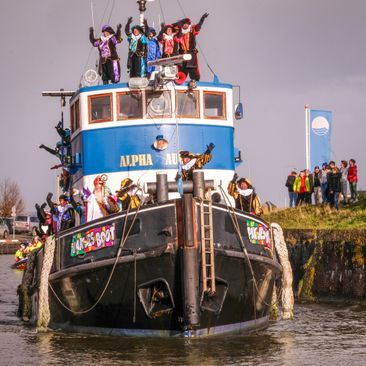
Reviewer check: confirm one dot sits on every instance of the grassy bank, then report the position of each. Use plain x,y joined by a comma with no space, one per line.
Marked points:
352,216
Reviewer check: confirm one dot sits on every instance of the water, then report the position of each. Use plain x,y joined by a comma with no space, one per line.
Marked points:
319,335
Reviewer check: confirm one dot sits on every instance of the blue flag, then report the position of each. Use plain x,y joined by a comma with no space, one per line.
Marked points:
320,128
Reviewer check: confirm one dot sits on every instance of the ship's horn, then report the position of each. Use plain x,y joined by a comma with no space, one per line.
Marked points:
181,78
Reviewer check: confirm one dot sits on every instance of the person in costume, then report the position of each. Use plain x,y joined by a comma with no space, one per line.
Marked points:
109,66
188,45
100,202
153,48
192,162
45,227
63,214
246,199
136,63
169,37
129,195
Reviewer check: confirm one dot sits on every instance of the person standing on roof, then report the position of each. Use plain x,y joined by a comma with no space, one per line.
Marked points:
352,180
169,37
136,63
109,67
153,48
192,162
188,45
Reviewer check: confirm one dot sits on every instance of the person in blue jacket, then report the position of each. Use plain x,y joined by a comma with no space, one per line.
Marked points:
153,48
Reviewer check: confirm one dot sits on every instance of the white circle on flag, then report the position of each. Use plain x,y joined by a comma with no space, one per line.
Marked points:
320,126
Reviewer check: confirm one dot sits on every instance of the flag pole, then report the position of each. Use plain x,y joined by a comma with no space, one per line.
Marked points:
307,133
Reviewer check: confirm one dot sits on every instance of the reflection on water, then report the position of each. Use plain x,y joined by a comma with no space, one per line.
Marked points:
319,335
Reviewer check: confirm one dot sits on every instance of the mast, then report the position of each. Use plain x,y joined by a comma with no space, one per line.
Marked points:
142,9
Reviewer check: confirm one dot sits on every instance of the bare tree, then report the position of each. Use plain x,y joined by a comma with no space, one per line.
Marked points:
10,196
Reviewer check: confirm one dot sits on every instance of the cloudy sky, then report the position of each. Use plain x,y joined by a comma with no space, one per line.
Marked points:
283,53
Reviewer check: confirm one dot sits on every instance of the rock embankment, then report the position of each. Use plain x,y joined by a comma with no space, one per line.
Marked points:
328,264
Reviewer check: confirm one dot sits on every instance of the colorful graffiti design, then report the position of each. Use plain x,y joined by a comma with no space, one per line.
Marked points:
92,239
258,234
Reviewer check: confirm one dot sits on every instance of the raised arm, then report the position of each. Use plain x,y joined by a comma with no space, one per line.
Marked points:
91,35
199,24
127,27
119,33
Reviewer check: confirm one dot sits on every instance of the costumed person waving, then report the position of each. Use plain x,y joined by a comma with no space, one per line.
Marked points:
246,199
169,37
109,67
192,162
137,53
188,45
129,195
153,48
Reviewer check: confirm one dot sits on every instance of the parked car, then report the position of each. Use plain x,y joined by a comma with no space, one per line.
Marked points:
4,229
26,224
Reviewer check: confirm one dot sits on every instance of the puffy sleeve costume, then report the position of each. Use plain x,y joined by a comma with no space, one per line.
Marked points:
109,66
137,52
170,43
188,45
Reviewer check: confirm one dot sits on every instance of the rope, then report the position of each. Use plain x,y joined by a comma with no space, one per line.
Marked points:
135,287
43,311
244,249
287,295
162,11
121,245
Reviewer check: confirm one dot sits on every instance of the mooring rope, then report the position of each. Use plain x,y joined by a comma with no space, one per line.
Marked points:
43,311
287,295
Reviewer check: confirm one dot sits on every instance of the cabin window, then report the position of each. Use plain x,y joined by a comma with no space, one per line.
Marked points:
77,114
100,108
214,105
72,117
187,104
129,105
158,104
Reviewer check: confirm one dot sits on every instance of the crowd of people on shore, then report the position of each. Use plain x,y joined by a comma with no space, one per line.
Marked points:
328,185
146,45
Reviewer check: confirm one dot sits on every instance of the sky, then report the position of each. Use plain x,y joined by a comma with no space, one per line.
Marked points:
283,53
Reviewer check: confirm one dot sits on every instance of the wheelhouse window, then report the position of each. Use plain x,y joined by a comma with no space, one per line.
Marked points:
75,116
214,105
100,108
158,104
187,104
129,105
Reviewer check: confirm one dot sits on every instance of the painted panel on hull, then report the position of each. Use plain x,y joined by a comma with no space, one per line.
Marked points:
131,148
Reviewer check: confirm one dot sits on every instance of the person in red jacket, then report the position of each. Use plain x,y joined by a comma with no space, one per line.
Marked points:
352,179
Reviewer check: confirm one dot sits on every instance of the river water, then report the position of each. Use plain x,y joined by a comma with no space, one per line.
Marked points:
319,335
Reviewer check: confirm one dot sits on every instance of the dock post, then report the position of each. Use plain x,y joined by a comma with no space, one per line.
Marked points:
162,187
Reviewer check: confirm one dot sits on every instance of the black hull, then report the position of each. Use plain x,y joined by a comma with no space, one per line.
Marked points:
146,293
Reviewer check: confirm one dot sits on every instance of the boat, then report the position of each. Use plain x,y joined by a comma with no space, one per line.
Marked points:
187,264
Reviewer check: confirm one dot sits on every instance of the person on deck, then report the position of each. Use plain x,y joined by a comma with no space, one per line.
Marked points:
153,48
344,171
188,45
169,37
109,66
129,195
246,199
192,162
100,202
136,63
